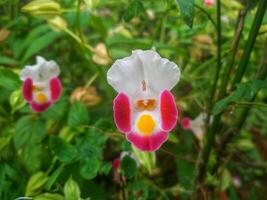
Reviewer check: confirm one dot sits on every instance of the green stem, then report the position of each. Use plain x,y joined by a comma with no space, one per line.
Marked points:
250,42
207,14
204,156
262,105
231,57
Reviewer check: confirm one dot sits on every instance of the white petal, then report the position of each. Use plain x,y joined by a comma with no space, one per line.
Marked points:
42,71
160,73
128,74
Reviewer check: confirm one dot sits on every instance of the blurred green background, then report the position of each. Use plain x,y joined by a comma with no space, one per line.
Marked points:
67,151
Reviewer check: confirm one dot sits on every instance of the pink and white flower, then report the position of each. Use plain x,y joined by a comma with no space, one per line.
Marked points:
197,126
209,2
145,110
41,88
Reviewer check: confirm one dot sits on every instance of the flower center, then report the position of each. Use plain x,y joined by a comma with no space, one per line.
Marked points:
146,124
41,97
146,104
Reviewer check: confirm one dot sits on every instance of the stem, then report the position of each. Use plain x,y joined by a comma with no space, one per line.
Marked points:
207,14
231,58
204,156
250,42
261,75
262,105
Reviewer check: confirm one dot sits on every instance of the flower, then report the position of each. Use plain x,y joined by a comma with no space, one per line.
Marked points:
209,2
145,110
196,126
41,87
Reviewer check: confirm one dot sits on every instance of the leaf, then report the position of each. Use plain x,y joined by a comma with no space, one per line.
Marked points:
8,79
128,165
31,157
16,100
90,168
64,152
33,35
8,61
39,44
72,190
105,168
35,183
78,115
52,179
134,9
244,92
49,196
187,11
29,130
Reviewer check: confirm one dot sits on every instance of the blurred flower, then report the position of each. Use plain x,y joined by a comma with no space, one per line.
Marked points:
150,13
116,166
57,23
86,95
41,87
4,33
197,126
236,181
42,8
120,29
101,56
209,2
144,109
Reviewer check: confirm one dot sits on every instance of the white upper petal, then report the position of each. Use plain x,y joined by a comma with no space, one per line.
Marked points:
42,71
127,74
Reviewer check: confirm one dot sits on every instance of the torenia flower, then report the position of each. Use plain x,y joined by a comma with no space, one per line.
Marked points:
144,109
209,2
41,87
197,126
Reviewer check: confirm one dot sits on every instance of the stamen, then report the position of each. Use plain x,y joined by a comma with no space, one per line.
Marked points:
145,104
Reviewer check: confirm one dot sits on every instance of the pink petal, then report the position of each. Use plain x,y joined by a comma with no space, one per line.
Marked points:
27,89
122,112
40,107
55,87
186,123
116,164
169,112
147,143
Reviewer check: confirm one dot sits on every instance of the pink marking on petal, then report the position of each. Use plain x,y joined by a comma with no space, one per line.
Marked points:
122,112
40,107
55,87
186,123
147,143
27,89
168,109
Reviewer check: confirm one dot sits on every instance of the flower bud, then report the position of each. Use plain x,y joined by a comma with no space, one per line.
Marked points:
42,8
57,23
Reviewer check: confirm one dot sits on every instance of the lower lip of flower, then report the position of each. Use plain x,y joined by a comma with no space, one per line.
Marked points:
146,124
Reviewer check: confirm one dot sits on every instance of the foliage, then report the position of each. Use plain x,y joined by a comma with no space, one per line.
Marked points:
67,152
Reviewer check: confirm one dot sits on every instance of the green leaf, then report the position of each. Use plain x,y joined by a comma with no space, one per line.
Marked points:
35,183
49,196
134,9
72,190
29,130
78,115
187,11
32,157
90,168
39,44
64,151
105,168
8,61
52,179
128,165
8,79
244,92
16,100
33,35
